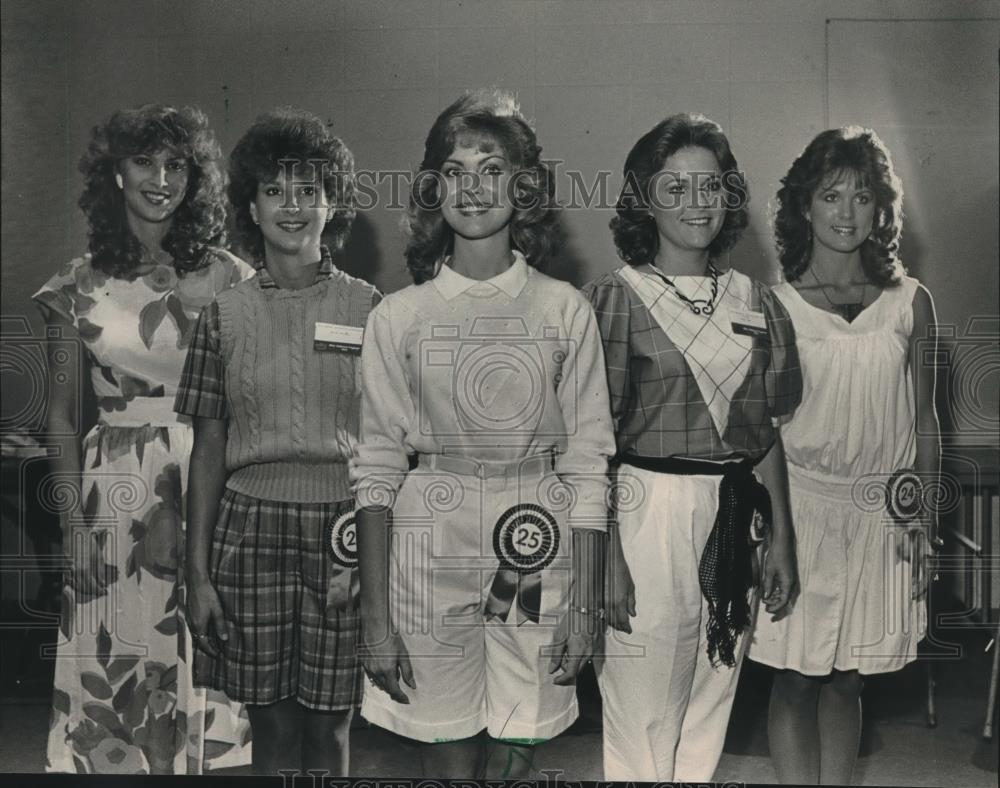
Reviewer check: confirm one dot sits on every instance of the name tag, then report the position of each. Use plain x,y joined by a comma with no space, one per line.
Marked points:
748,322
331,336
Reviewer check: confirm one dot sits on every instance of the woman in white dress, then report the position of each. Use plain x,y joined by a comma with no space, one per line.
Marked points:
860,448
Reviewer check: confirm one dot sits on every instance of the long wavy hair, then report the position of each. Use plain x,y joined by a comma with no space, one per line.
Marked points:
485,118
199,221
634,228
836,154
290,137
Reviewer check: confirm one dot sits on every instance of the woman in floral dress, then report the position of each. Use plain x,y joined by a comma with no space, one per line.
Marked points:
123,700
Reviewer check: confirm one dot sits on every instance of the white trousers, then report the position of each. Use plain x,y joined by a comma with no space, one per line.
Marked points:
666,708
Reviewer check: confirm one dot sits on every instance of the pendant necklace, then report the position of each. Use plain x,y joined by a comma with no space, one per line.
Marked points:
847,310
700,306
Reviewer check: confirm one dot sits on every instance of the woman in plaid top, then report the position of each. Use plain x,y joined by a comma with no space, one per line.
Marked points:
699,361
271,382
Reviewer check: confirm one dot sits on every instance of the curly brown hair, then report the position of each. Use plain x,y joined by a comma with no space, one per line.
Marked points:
199,222
492,117
634,229
276,139
851,151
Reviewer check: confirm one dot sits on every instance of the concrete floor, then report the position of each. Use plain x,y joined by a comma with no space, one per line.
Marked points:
898,748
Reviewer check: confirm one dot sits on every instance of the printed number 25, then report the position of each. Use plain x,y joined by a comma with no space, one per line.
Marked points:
527,537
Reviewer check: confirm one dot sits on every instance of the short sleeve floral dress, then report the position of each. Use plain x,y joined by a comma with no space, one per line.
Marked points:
123,700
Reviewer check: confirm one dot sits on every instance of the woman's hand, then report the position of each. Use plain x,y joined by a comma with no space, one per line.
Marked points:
576,640
385,659
620,590
205,615
206,485
921,556
89,574
915,547
780,574
579,633
383,655
921,541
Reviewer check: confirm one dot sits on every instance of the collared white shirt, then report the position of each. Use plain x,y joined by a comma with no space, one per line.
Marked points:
493,370
450,283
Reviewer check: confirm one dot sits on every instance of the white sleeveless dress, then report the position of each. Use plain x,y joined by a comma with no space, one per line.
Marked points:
854,428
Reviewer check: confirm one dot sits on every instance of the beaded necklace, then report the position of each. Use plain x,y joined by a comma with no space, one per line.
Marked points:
700,306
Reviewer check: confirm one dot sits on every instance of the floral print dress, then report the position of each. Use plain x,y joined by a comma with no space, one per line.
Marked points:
124,699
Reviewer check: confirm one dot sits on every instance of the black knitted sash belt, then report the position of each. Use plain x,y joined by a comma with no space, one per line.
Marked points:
726,568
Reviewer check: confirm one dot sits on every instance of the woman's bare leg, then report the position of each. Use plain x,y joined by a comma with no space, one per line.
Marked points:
793,729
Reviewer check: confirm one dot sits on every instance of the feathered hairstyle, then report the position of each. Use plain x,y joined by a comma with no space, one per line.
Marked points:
836,154
634,228
487,119
287,137
199,221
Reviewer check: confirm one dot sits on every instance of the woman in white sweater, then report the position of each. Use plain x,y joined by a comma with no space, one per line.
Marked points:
492,373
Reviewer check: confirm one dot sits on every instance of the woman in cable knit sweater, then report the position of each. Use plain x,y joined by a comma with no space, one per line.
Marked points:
270,381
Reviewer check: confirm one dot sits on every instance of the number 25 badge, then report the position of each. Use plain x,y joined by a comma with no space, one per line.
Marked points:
526,538
341,540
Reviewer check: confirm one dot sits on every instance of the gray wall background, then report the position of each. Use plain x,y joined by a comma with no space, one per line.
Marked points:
593,75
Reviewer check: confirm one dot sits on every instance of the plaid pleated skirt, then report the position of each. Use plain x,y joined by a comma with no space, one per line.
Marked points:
290,602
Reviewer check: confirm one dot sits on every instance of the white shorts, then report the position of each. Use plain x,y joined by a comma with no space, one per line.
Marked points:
475,671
